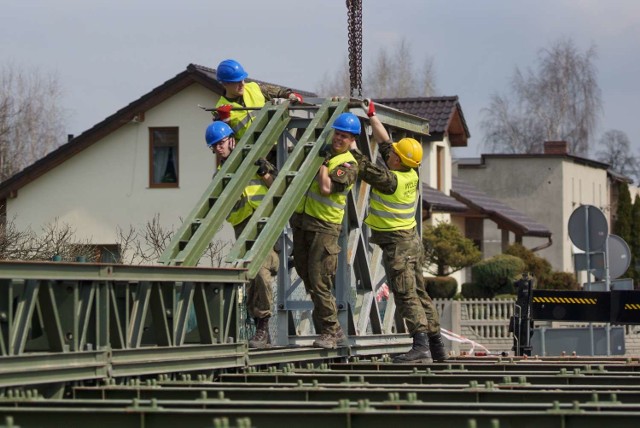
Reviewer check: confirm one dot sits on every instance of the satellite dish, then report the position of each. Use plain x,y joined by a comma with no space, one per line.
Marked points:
619,257
588,228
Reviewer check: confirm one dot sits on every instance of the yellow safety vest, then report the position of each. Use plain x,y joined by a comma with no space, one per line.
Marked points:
396,211
328,208
240,120
251,197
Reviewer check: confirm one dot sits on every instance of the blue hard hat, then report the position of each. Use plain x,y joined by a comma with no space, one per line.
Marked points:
217,131
347,122
230,70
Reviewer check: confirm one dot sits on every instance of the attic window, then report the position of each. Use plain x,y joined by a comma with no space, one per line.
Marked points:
163,157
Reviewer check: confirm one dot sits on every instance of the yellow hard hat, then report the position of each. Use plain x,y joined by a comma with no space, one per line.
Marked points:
409,151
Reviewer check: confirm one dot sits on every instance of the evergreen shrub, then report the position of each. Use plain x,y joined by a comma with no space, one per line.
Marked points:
473,291
498,273
441,287
559,281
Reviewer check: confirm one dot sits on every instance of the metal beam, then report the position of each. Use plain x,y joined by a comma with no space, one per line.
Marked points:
60,271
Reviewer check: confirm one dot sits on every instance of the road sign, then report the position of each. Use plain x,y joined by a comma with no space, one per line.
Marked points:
588,228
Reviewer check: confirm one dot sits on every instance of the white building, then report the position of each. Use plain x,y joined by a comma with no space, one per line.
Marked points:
547,187
146,160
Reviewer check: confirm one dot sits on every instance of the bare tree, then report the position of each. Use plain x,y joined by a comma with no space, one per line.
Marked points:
55,240
58,239
143,246
31,120
616,151
215,252
428,82
129,250
337,84
15,244
560,101
391,75
147,245
381,76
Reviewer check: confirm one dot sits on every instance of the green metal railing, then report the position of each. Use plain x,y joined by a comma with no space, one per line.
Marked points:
56,307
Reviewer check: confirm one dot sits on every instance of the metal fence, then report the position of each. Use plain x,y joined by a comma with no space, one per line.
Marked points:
486,321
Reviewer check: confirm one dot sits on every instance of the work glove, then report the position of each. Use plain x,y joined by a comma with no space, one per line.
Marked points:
326,154
264,167
295,97
369,107
224,112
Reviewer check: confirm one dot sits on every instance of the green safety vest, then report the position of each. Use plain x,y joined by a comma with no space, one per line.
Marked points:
251,197
328,208
396,211
240,120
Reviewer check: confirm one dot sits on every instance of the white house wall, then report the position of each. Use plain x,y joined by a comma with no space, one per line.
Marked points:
429,175
107,184
583,186
430,165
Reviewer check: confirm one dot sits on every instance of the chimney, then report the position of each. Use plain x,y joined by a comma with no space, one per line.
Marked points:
69,137
556,148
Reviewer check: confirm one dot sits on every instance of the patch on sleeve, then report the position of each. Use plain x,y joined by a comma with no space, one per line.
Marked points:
340,174
344,173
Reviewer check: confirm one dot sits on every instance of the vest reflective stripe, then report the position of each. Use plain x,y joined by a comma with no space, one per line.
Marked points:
241,119
398,206
251,197
243,124
328,208
326,201
396,211
387,214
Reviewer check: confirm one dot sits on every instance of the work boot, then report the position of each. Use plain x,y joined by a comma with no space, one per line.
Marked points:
261,339
326,341
341,338
437,347
418,352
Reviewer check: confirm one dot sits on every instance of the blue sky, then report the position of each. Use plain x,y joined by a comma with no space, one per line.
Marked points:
108,53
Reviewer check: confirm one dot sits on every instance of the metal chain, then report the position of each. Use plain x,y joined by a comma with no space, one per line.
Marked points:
354,12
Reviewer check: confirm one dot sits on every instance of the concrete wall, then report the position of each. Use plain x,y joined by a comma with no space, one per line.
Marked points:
107,185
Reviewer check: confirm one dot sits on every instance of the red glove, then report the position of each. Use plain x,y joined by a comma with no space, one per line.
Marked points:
295,97
224,112
371,110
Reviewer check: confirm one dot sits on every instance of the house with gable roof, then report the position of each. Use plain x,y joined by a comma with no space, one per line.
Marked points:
548,186
147,159
447,197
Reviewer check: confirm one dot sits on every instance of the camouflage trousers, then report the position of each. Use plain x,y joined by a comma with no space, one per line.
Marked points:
260,289
402,263
315,257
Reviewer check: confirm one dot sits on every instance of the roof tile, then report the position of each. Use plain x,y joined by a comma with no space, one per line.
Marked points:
438,110
496,209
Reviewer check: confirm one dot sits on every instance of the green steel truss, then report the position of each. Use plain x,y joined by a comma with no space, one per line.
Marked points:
359,271
204,221
69,307
300,168
64,322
